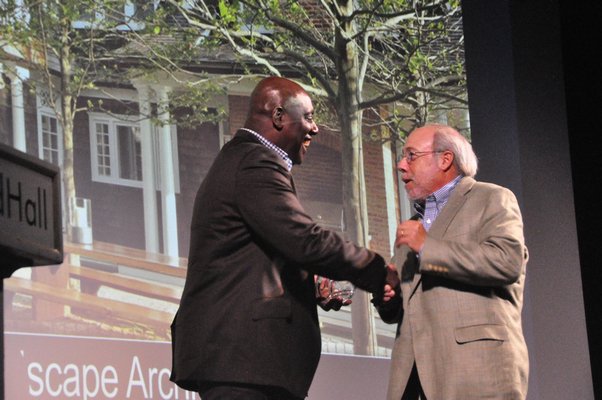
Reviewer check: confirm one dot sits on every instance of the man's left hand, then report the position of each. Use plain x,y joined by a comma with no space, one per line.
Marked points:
412,234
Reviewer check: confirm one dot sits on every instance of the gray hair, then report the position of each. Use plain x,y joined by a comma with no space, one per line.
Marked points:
465,159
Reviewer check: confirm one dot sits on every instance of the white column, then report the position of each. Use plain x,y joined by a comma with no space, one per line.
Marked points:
389,174
18,110
149,194
168,195
405,205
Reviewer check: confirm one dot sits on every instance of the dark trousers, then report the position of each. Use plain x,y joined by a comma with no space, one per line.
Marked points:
413,387
235,391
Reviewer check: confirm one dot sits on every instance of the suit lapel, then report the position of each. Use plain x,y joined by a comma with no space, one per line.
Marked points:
446,216
453,205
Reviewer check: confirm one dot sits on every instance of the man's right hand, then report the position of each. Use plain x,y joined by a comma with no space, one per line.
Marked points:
392,284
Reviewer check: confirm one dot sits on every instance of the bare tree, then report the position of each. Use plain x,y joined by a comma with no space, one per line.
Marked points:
72,46
401,60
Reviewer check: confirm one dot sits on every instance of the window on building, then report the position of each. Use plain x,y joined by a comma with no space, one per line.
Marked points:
50,143
133,14
130,152
129,15
116,151
50,134
103,151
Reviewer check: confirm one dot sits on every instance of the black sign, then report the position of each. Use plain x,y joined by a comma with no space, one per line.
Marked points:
30,212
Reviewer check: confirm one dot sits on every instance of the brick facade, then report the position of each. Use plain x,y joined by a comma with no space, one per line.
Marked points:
376,197
117,211
197,148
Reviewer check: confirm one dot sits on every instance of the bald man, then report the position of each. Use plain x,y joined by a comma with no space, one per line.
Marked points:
462,261
247,325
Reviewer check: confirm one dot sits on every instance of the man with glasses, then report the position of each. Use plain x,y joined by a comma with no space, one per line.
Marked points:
462,260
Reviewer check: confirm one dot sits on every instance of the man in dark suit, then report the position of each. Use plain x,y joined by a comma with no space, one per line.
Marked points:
247,326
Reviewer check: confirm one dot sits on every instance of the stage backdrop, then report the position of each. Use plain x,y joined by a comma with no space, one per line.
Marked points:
96,327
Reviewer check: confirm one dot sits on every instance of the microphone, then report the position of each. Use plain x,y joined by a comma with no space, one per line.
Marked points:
415,217
419,208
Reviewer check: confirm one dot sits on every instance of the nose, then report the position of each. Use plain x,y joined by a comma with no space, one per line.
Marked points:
314,129
402,164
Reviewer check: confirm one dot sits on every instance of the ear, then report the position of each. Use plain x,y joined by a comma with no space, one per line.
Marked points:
446,160
277,113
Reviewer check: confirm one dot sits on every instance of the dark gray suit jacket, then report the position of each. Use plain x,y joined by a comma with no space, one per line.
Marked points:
248,311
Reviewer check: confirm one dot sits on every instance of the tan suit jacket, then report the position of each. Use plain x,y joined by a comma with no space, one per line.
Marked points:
460,313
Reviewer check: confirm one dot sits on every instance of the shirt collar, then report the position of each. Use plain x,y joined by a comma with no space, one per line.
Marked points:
270,145
441,195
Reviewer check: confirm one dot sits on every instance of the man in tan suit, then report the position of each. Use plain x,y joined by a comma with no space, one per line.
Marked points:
462,260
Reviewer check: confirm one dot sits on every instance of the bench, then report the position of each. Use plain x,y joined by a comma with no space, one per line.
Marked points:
100,306
51,288
91,280
130,257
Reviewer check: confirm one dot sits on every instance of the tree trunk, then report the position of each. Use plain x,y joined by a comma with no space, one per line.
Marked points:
354,196
67,117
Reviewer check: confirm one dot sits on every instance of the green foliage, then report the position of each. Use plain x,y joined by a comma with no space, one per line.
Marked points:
228,12
90,44
408,55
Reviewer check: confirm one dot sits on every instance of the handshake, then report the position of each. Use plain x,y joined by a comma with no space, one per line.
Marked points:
332,295
391,289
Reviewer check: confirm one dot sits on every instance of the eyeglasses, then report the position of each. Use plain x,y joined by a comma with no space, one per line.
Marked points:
411,155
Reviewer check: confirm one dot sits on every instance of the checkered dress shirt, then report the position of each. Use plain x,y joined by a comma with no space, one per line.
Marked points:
268,144
435,202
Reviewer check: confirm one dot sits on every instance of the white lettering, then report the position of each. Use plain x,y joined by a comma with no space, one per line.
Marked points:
137,370
51,367
164,376
96,383
31,369
72,380
69,381
89,382
107,380
151,372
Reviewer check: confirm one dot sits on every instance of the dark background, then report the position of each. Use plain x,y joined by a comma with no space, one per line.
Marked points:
534,84
581,45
